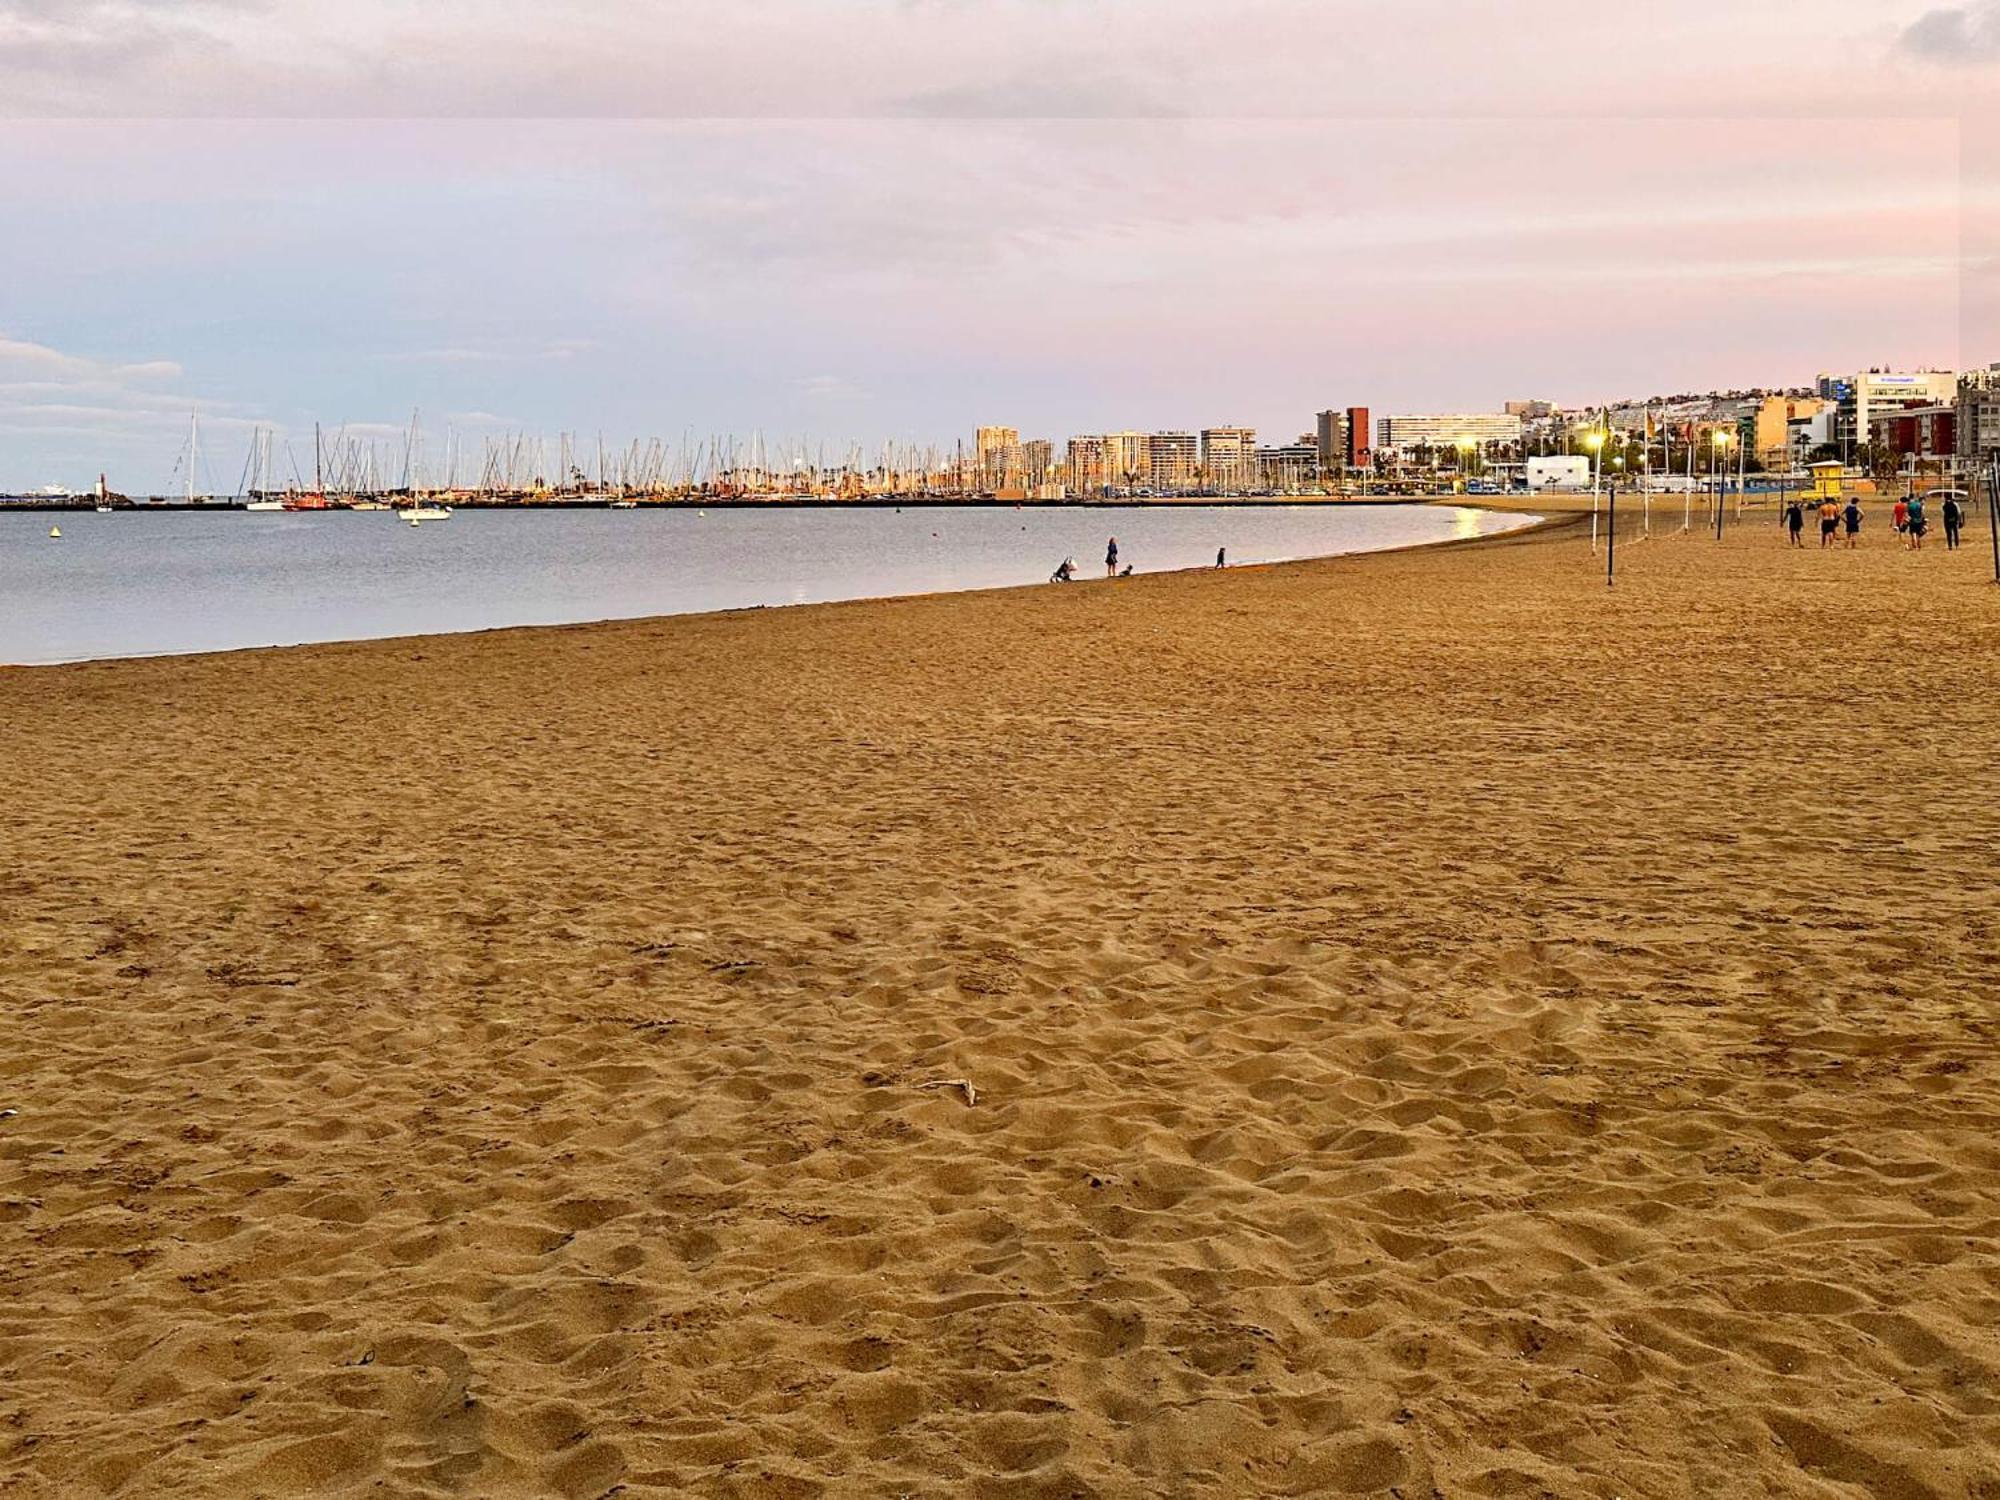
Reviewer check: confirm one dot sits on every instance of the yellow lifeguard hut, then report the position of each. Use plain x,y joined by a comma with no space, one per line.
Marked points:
1826,477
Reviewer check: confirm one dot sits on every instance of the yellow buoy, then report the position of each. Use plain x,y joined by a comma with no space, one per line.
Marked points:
55,531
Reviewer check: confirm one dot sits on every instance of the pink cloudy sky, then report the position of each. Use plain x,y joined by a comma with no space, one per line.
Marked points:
851,220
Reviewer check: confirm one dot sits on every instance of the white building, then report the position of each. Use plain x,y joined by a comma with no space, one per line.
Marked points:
1866,396
1448,431
1229,455
1558,471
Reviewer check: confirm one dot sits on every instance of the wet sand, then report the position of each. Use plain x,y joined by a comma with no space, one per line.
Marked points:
1438,1027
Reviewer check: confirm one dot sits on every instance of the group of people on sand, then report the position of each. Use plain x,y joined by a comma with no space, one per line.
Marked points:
1066,569
1912,524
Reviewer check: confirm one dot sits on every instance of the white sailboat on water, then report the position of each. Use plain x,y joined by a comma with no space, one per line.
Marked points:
193,457
257,488
419,510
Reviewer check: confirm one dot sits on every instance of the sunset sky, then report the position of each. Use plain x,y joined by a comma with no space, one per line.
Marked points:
851,222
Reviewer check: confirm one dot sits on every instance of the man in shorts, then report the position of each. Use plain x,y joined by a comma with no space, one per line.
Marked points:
1918,525
1795,521
1851,518
1829,521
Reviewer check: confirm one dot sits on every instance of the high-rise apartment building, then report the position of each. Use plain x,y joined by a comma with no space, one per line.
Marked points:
1977,428
1359,451
1330,437
1448,431
1229,457
1171,460
1342,438
1129,455
988,440
997,452
1089,465
1038,460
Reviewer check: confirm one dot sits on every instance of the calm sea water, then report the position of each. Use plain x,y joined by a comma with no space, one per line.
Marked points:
134,584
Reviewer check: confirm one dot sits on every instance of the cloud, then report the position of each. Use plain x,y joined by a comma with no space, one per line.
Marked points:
98,38
1960,35
97,410
996,59
20,357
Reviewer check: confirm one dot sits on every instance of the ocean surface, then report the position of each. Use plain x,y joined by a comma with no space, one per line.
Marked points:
139,584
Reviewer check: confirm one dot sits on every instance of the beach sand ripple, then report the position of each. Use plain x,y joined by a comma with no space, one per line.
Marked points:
1438,1027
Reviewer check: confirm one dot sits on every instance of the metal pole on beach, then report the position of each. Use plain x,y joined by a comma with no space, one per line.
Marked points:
1611,539
1993,511
1716,466
1596,443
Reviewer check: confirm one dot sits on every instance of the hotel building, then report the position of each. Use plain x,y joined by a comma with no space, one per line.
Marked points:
1172,459
1229,456
1862,398
1406,432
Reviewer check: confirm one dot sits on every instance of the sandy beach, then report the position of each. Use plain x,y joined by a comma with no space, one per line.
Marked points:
1422,1024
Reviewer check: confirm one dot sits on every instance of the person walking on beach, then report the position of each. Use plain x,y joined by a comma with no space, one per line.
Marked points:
1795,521
1111,559
1851,518
1954,518
1829,518
1918,525
1221,554
1901,518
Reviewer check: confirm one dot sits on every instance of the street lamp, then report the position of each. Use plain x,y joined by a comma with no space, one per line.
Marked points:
1466,447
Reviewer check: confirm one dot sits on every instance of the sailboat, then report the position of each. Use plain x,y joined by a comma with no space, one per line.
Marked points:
193,457
418,510
315,498
257,473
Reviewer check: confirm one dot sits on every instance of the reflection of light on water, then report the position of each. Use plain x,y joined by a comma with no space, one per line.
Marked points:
1465,522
